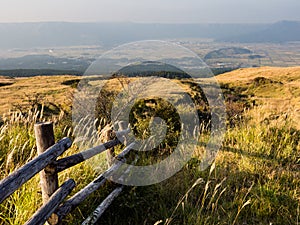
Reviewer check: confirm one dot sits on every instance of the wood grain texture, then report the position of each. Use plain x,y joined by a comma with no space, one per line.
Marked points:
92,219
44,135
67,162
46,211
11,183
80,196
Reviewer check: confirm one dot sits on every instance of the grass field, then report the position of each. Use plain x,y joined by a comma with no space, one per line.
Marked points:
255,178
276,89
21,92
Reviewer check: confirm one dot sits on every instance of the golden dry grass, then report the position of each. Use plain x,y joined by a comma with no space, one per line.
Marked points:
255,179
280,97
50,88
284,97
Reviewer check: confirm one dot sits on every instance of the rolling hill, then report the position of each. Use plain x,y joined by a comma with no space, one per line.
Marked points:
254,178
275,88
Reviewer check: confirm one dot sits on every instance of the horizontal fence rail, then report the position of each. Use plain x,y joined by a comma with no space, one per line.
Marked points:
41,216
65,163
92,219
11,183
80,196
55,206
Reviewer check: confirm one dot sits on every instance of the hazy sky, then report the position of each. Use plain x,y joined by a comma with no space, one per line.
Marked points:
161,11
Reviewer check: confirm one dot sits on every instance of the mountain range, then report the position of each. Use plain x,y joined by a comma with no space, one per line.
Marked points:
55,34
284,31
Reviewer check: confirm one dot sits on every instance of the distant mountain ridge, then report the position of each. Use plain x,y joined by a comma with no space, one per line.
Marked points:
284,31
54,34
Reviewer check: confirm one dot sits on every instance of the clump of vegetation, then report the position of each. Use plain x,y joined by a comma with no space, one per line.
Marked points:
5,84
236,103
263,81
73,83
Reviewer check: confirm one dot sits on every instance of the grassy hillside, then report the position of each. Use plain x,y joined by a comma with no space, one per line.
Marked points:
255,178
21,93
276,89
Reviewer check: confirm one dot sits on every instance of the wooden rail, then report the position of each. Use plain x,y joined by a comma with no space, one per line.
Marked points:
80,196
41,216
92,219
55,208
11,183
65,163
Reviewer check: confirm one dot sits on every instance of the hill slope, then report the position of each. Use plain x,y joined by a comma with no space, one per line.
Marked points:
254,180
20,93
278,89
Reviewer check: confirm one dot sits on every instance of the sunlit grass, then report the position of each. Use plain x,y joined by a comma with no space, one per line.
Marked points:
255,178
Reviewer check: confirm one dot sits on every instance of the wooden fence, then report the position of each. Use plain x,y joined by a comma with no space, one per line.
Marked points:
55,206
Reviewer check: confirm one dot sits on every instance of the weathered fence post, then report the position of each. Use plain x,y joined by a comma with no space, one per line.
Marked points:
49,180
110,153
107,136
124,126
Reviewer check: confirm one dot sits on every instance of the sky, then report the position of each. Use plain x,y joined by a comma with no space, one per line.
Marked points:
150,11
